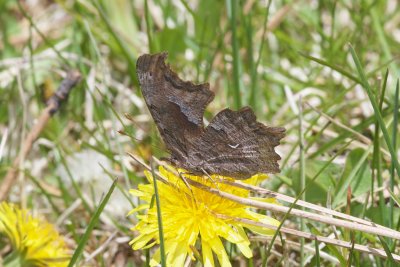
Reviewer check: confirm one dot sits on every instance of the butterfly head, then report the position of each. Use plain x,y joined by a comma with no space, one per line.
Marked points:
147,68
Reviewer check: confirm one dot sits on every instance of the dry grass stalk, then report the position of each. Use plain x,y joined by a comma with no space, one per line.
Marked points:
360,225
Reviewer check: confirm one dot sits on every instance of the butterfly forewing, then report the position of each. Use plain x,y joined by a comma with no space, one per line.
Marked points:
176,106
234,144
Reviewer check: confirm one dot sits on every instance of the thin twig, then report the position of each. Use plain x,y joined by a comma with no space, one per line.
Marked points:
298,213
70,210
302,203
282,197
295,246
361,137
53,105
101,248
374,229
340,243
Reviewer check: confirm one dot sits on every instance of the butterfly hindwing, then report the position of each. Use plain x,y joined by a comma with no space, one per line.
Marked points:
234,144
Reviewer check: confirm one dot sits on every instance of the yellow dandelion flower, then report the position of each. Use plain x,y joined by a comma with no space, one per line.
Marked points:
34,241
192,214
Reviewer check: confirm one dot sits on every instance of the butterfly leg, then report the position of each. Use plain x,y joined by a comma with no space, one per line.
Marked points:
184,180
211,179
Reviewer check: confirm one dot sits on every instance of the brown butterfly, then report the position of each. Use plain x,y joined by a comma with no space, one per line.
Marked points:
234,144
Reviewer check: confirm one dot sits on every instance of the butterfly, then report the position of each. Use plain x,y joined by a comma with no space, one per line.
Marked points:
233,144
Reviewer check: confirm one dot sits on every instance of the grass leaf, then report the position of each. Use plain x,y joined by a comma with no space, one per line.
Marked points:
92,223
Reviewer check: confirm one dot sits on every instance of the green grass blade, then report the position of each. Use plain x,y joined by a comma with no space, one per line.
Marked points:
351,251
159,219
232,10
317,256
92,224
247,19
390,261
344,183
384,45
394,197
340,151
42,35
188,9
125,51
302,175
48,196
254,67
318,261
149,26
384,86
334,251
377,113
376,156
74,183
329,65
394,141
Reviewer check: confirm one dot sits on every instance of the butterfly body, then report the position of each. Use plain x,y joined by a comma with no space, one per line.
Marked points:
234,144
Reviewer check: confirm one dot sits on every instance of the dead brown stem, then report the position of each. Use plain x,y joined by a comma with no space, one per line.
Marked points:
53,105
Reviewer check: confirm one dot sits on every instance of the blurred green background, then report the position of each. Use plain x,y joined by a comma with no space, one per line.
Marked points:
288,60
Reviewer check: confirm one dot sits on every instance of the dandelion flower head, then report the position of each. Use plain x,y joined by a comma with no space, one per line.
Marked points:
192,216
34,241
